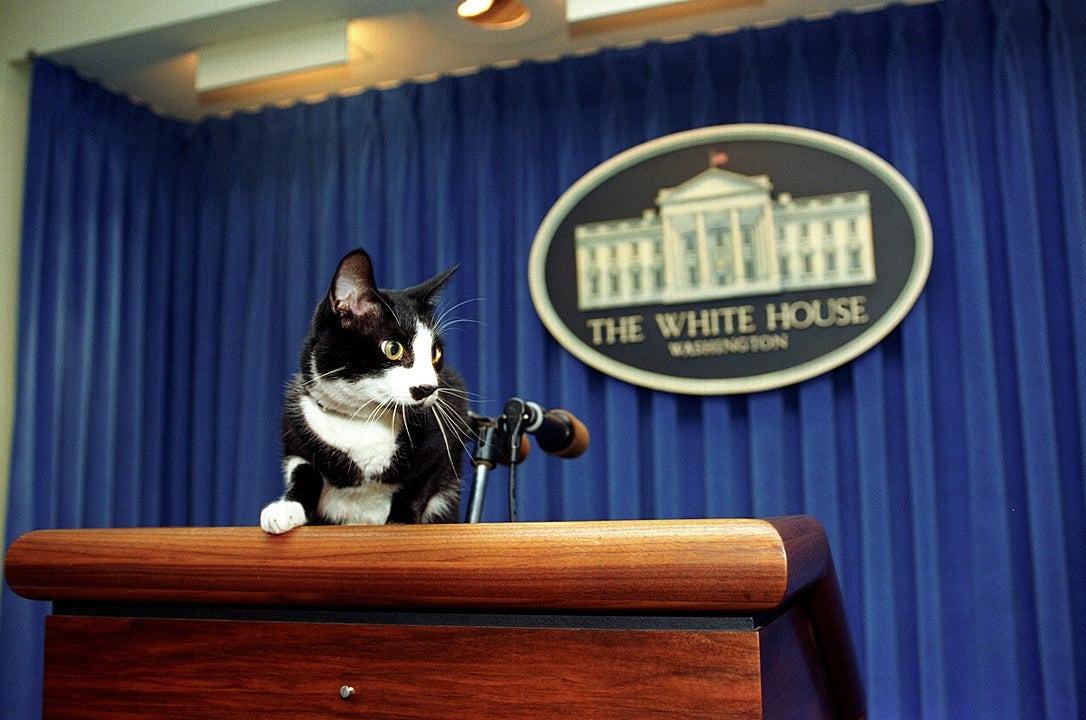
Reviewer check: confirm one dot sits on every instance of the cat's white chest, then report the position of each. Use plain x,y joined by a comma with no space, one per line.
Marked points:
368,504
371,444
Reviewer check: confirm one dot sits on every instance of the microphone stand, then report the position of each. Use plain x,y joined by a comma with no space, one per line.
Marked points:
498,440
486,456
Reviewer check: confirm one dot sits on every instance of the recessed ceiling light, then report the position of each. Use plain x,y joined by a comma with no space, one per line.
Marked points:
494,14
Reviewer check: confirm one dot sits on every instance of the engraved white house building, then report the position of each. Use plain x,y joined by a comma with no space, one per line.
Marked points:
720,235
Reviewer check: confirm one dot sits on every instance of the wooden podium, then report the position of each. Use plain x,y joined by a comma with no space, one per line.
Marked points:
627,620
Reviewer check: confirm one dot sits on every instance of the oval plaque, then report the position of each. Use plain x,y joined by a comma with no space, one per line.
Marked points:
730,259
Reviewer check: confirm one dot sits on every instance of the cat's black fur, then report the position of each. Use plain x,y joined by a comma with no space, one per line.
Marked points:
365,429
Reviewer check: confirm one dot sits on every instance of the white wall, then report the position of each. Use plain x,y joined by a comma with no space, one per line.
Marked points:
14,87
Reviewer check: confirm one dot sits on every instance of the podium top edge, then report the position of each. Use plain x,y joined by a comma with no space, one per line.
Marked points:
646,566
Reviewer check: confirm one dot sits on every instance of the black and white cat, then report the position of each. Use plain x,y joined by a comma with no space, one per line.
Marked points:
375,422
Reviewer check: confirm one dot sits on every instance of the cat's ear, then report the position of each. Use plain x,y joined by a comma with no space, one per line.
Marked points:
427,291
353,295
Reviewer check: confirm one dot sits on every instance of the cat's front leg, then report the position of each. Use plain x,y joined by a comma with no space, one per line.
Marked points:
298,503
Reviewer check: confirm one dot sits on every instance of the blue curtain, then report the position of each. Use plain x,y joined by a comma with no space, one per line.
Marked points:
170,269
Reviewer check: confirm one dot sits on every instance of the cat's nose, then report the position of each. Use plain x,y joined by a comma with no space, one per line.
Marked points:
421,392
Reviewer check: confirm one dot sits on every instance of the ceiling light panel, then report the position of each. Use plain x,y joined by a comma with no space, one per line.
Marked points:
242,61
588,16
581,10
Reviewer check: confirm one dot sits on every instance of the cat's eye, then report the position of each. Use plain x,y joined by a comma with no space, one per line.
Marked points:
435,355
393,349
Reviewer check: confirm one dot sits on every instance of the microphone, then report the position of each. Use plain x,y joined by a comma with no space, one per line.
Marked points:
489,450
502,440
557,432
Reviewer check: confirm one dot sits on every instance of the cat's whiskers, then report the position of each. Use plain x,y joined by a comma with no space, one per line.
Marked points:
406,426
457,427
443,324
460,429
464,394
377,410
445,438
380,407
440,321
318,378
448,328
441,410
445,406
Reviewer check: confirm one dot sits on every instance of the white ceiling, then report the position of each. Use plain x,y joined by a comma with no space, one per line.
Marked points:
392,41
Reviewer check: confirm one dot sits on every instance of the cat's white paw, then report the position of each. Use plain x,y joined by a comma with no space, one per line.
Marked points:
282,516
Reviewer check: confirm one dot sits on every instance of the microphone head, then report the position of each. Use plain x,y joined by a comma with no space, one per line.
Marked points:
579,442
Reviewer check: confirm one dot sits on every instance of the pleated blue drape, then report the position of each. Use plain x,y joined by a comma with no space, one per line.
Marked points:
169,271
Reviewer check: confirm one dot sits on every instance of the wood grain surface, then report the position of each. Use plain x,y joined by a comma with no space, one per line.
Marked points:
667,566
124,669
